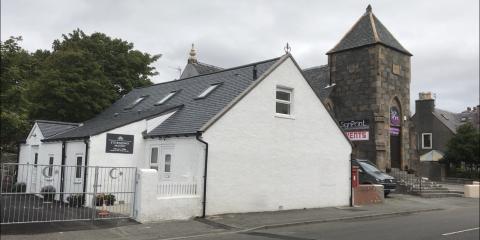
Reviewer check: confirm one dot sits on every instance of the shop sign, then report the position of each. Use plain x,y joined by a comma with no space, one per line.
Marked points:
354,124
119,143
394,131
357,135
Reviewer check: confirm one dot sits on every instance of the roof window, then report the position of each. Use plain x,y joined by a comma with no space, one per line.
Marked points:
209,90
135,103
166,98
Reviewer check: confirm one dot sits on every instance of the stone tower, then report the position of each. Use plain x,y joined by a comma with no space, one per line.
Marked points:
370,76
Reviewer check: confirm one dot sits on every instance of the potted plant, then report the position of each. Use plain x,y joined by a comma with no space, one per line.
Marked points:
109,199
99,199
48,193
76,200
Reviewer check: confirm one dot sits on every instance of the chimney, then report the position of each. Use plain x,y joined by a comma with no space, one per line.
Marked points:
425,103
469,109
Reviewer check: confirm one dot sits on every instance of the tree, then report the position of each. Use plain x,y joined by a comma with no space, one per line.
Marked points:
464,147
84,74
15,71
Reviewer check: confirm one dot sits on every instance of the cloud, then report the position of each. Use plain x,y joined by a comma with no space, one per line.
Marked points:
443,36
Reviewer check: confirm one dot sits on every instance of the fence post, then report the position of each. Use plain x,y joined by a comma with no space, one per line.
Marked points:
94,198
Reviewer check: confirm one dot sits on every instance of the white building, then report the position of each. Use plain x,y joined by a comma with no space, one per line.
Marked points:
258,134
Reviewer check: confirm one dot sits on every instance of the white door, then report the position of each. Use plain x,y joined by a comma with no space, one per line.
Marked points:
34,169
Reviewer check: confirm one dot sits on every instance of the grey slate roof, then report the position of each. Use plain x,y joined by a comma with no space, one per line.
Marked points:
198,68
368,30
191,113
319,79
453,120
51,128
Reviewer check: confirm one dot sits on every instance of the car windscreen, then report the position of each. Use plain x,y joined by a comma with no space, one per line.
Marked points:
369,167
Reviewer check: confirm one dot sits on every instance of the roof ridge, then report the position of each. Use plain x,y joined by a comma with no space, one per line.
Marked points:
222,70
315,67
345,35
57,122
208,65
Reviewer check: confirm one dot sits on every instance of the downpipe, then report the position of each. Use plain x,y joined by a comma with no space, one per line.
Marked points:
198,136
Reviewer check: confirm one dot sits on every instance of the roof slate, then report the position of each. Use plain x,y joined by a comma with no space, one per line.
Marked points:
198,68
319,79
191,113
449,119
51,128
368,30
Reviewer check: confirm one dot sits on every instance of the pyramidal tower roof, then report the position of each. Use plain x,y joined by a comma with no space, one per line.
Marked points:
368,30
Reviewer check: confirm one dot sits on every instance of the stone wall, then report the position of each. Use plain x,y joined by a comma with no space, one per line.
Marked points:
368,81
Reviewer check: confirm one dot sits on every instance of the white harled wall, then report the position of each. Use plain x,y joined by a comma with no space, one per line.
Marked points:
260,162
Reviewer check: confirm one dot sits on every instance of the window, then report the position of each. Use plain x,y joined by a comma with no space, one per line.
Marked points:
283,101
164,99
426,140
207,91
36,159
78,169
168,163
154,158
134,103
50,169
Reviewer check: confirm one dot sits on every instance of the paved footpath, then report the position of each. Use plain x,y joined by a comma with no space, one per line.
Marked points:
224,225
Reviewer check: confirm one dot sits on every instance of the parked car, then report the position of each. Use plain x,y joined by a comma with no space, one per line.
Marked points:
370,174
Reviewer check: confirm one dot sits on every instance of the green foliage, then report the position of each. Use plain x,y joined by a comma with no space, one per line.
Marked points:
464,146
15,71
81,76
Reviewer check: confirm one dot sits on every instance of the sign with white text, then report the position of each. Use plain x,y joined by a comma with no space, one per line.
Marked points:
357,135
119,143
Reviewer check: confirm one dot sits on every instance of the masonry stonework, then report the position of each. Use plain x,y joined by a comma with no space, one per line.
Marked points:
369,80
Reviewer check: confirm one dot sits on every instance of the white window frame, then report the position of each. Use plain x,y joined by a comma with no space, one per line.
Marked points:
157,164
135,103
423,142
166,98
78,166
208,90
290,102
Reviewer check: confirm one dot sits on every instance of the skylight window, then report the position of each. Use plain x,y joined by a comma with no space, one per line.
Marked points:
136,102
209,90
166,98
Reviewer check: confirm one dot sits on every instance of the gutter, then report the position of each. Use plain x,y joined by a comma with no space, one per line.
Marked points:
204,202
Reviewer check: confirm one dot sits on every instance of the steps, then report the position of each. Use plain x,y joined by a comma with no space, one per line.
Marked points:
420,186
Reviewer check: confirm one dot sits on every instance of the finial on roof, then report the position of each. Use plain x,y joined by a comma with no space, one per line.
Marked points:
287,48
193,55
369,8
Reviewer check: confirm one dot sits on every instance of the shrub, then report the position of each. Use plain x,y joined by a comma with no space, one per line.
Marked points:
109,199
48,193
19,187
76,200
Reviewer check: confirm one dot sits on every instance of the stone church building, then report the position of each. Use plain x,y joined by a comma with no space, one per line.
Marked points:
366,87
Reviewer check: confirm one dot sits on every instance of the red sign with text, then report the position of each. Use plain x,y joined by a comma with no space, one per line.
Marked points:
357,135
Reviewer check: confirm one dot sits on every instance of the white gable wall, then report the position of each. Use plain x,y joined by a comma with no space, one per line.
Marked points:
260,162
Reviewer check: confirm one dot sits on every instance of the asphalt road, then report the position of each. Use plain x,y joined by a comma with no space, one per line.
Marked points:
455,223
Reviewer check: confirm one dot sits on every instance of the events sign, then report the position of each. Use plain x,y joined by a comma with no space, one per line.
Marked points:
119,143
357,135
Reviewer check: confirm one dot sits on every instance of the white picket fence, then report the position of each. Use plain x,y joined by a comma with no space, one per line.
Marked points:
176,189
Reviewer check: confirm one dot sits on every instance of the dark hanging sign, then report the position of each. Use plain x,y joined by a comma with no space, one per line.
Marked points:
394,117
119,143
354,124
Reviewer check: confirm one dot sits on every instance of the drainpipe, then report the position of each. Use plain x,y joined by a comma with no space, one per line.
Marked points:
85,170
351,178
62,171
204,203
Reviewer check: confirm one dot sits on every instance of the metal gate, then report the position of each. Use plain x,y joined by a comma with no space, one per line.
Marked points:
52,193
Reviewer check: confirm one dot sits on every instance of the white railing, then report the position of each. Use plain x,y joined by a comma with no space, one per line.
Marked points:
176,189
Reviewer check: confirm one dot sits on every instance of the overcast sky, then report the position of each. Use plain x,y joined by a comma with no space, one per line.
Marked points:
442,35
